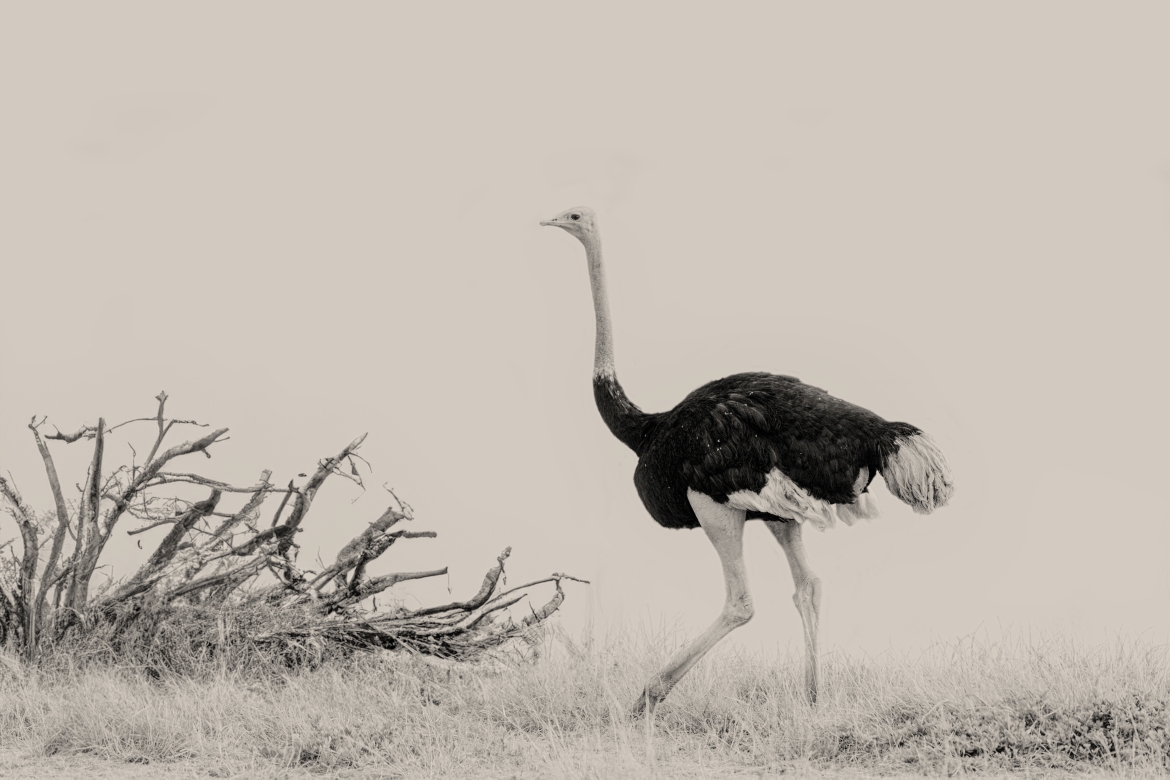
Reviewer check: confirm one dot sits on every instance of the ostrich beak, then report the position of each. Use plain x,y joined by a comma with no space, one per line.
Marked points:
548,223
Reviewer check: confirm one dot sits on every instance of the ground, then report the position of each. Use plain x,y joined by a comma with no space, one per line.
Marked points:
998,710
21,763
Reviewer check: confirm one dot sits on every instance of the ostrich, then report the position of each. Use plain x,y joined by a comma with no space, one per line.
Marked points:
754,446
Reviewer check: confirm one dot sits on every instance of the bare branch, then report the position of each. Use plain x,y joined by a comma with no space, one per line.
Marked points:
280,533
250,510
87,431
150,571
552,578
62,516
146,510
306,494
150,470
88,533
413,535
376,585
550,607
288,494
66,570
145,528
111,480
162,431
230,576
472,618
485,590
366,546
186,448
351,475
25,601
403,507
168,477
153,419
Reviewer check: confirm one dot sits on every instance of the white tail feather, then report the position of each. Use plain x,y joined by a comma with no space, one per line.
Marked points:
918,474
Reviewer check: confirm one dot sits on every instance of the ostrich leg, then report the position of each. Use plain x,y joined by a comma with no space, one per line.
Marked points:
807,597
724,527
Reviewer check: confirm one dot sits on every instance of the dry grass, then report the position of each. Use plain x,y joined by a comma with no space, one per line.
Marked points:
1032,707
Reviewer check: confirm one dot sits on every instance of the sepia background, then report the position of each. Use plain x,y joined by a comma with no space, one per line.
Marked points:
309,221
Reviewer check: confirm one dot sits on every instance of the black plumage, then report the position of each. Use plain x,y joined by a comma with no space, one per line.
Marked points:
729,434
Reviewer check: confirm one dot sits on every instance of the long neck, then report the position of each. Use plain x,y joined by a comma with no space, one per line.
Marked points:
603,346
623,418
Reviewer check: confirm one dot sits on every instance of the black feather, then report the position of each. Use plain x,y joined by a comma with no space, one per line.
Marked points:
729,434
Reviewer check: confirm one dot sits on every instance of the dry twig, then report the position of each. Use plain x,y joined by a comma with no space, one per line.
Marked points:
212,567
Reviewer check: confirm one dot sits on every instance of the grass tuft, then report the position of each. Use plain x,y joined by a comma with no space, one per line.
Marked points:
1024,706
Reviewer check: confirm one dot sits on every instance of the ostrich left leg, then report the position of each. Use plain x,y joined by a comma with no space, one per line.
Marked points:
724,527
807,597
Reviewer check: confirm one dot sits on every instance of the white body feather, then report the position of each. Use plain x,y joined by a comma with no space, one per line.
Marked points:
782,497
917,474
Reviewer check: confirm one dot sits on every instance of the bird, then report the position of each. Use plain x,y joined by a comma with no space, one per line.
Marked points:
753,446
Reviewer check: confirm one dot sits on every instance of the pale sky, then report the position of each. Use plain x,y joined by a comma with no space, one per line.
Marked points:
309,221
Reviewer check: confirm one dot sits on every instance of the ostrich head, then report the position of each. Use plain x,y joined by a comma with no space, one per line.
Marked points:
579,221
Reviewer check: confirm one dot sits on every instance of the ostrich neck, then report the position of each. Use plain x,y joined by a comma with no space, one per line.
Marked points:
603,347
624,419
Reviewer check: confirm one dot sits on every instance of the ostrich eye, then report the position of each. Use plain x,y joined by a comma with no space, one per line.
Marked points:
574,216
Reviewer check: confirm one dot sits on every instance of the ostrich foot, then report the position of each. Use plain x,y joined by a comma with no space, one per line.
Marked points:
655,691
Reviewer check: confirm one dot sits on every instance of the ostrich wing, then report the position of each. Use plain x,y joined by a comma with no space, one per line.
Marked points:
745,426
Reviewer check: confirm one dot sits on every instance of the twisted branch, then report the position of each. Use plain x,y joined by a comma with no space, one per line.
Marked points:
200,564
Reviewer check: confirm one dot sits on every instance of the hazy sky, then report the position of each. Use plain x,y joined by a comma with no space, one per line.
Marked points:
308,221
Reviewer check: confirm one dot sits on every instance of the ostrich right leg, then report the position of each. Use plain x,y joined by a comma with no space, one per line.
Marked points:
724,527
807,597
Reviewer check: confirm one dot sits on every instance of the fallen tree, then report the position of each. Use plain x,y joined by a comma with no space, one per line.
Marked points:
212,561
